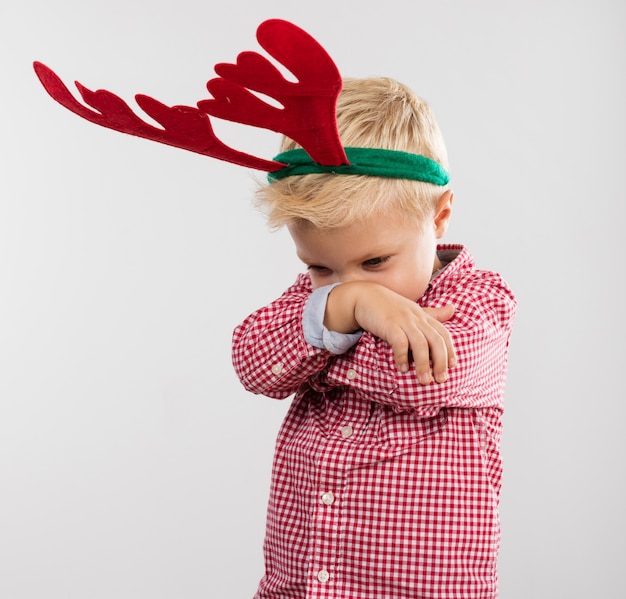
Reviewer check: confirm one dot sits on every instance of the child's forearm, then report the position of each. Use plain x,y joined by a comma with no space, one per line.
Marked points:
399,321
270,353
339,314
273,358
480,332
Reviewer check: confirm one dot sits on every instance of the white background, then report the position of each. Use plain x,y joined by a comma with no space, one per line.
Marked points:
132,464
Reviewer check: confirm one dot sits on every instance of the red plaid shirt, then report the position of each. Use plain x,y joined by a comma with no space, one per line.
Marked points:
383,488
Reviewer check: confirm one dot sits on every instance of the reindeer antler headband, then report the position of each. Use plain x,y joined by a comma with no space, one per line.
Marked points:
307,114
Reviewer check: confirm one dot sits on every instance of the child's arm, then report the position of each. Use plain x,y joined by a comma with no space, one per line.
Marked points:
270,353
479,331
405,325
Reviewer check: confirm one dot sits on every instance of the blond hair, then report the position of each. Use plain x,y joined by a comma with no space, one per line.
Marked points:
371,113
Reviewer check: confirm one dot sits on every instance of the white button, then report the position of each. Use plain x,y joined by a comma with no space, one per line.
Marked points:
351,374
323,575
346,431
328,498
277,369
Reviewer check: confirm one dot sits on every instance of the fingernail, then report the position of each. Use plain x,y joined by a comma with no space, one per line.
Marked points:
441,377
403,367
425,378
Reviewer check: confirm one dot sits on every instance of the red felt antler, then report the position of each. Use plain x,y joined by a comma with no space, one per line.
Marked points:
308,115
183,126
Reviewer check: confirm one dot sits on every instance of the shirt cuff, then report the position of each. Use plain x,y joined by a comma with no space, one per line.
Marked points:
316,333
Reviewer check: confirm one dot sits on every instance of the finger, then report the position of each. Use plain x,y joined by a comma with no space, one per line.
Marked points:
442,314
420,348
438,350
447,339
400,347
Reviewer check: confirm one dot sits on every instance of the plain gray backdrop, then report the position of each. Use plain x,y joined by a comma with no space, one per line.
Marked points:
132,463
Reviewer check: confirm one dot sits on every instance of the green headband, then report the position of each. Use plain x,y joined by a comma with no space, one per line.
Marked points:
365,161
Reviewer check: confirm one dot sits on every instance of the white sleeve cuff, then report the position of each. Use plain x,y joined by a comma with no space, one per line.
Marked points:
313,324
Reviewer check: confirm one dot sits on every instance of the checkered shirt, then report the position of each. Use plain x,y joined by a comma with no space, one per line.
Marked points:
383,488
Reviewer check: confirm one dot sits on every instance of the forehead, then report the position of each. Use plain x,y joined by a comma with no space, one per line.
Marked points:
368,238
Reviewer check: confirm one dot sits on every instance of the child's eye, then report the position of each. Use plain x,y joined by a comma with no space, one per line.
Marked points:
317,269
376,261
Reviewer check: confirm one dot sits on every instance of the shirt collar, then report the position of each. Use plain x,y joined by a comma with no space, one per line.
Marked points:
455,259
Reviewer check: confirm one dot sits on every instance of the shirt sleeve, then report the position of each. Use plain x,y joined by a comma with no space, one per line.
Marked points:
270,353
313,324
480,331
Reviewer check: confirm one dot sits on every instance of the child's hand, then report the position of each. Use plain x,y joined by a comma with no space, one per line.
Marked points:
401,322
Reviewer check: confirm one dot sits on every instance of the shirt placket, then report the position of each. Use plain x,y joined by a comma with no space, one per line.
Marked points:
327,526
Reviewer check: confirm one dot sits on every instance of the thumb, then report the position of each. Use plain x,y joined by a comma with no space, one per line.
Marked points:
441,314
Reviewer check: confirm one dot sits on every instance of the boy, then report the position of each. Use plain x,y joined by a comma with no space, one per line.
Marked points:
387,469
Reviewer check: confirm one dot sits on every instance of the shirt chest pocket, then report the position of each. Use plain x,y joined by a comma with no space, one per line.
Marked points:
396,430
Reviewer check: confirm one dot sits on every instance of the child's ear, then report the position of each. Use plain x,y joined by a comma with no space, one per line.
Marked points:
443,210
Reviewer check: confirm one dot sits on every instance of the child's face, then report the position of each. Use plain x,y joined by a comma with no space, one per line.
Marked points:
393,250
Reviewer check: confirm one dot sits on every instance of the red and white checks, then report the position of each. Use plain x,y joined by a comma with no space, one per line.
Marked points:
383,488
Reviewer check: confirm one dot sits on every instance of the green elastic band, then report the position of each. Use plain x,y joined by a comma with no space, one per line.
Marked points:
365,161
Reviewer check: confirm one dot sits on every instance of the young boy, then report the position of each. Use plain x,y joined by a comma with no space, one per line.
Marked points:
387,468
